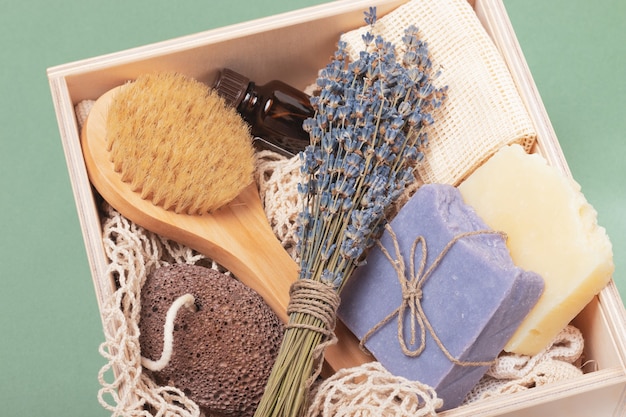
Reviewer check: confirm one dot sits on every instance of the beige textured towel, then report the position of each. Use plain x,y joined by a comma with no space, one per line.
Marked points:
484,110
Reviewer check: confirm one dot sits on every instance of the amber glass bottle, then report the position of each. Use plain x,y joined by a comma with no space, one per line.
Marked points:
275,111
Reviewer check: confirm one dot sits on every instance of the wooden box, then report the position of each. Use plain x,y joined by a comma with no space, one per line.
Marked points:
277,40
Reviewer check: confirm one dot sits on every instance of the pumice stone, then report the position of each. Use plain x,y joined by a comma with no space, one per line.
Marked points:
223,347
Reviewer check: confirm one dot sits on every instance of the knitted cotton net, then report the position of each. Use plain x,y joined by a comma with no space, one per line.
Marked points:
514,373
368,390
133,253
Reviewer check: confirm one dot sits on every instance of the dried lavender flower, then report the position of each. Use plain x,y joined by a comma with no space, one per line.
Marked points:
366,138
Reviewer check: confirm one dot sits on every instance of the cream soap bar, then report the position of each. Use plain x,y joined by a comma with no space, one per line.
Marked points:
551,230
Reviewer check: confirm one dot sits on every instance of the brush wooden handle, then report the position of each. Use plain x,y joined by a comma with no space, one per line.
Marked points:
237,235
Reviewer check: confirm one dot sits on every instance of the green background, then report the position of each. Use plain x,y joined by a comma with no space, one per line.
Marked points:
50,327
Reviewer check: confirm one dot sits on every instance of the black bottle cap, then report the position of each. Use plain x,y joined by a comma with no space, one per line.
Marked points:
231,86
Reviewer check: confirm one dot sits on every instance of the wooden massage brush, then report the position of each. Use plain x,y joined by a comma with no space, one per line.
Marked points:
168,154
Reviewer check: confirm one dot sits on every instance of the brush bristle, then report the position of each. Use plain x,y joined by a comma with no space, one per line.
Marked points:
177,144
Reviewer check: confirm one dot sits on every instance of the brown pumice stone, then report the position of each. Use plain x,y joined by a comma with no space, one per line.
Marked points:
223,352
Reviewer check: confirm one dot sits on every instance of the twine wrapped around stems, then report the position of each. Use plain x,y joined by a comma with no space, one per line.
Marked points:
319,301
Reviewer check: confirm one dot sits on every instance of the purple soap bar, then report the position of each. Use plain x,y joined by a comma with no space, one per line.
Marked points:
474,298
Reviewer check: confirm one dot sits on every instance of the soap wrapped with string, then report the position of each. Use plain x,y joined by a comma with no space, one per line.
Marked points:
439,296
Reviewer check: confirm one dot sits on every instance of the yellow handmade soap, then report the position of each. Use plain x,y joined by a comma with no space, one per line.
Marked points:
552,230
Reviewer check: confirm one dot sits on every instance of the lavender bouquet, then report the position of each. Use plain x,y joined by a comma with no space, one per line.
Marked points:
366,139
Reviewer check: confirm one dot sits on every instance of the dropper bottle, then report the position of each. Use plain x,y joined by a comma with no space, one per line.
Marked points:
275,111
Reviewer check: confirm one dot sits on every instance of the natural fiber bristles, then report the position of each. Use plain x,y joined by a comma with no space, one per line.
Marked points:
177,144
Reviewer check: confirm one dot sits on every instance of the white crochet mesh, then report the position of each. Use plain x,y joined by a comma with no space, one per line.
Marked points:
483,111
134,252
370,390
513,372
277,178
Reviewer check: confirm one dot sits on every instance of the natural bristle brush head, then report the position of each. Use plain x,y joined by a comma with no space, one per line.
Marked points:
177,144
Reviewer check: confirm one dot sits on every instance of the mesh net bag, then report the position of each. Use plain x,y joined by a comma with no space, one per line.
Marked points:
514,372
133,253
483,111
367,390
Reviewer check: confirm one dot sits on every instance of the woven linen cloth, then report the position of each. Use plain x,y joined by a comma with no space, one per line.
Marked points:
483,111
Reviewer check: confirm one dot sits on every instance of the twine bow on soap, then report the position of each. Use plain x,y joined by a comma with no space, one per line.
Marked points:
412,295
